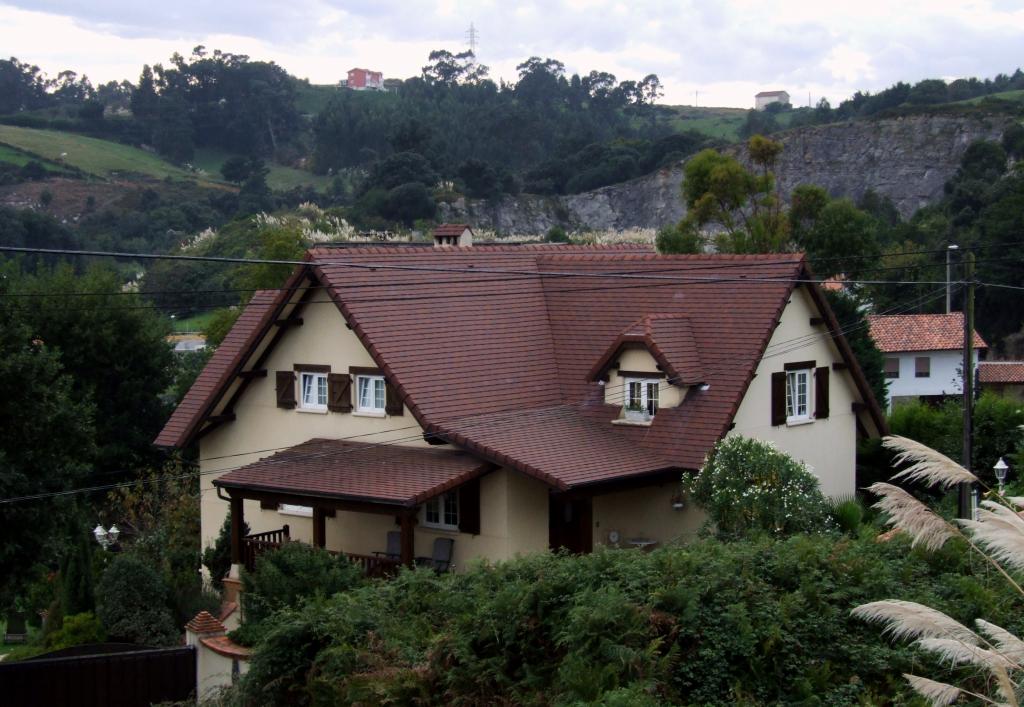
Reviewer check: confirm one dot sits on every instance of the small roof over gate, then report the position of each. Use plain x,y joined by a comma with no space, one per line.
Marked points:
357,471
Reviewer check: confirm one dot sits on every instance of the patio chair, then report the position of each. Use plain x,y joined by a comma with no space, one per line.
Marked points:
16,631
394,546
442,557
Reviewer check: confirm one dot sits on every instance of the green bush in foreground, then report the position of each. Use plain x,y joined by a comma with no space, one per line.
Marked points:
747,486
761,622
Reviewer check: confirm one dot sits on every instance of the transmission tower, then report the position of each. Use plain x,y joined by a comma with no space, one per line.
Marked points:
472,38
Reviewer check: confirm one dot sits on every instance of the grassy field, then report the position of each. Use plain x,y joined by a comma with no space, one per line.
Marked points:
313,98
97,157
20,159
1004,95
197,322
722,123
280,177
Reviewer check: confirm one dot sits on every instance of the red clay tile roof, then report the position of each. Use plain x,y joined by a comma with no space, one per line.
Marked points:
226,647
205,622
920,332
378,473
218,371
669,339
518,329
1001,372
451,229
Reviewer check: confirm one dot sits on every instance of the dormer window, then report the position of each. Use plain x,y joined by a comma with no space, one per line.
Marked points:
641,397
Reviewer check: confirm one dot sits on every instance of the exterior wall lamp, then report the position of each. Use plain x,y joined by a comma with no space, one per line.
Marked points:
105,537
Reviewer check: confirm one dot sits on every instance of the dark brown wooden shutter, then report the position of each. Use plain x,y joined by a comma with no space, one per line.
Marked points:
285,389
469,507
392,403
339,392
779,398
821,392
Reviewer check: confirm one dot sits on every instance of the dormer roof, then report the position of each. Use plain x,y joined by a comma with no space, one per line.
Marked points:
670,341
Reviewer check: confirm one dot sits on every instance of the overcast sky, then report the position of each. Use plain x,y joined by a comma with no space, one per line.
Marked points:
725,49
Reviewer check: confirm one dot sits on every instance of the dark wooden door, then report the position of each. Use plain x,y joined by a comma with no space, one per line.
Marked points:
570,524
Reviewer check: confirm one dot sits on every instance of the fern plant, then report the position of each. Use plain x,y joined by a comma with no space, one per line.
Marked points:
996,534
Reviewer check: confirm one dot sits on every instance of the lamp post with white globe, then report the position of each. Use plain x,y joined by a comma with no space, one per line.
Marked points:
1001,468
106,538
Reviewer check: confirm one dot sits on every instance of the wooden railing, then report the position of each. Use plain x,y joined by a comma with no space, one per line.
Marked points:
375,566
258,543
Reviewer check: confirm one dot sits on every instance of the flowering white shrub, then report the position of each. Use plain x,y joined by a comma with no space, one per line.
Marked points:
749,486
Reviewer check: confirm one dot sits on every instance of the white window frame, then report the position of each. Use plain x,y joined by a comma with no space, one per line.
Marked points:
373,381
317,379
793,412
443,509
646,399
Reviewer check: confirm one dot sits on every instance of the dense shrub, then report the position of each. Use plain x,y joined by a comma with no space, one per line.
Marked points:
293,574
76,630
132,603
751,622
748,486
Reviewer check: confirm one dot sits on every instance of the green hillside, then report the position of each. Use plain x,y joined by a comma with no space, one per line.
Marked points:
279,177
100,158
1017,96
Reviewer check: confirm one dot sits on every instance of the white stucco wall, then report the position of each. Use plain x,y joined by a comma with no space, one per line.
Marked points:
944,379
828,446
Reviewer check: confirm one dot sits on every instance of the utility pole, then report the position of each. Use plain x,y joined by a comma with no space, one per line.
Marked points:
966,489
949,254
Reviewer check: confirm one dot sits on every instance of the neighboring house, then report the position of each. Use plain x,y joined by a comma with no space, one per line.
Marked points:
364,80
187,343
454,234
763,99
510,398
1002,377
923,354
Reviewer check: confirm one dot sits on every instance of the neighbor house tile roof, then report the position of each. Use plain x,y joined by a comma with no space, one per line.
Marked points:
205,623
380,473
920,332
1004,372
451,229
492,347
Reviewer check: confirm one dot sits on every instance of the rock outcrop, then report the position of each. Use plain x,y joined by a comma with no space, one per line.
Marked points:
907,159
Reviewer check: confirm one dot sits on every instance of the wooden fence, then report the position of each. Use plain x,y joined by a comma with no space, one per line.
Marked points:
134,678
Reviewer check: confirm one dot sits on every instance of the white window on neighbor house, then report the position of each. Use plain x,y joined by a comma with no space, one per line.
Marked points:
313,391
442,512
798,396
641,396
892,367
370,394
923,367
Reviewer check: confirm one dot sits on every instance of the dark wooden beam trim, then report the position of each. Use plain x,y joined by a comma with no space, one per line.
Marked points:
290,321
817,321
365,371
221,419
253,374
311,368
857,406
839,366
642,374
326,502
634,482
799,365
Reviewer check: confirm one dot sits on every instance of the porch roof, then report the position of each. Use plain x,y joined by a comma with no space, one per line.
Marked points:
386,474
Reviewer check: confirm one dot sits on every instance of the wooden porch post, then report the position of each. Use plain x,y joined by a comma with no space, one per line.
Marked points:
407,523
237,529
319,527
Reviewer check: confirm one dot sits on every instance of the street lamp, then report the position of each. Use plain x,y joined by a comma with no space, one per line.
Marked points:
1001,468
104,537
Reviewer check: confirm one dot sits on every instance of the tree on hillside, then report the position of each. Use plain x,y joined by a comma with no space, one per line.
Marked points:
449,69
22,86
236,169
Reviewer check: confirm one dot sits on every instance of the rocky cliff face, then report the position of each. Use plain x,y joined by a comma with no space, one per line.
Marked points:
907,159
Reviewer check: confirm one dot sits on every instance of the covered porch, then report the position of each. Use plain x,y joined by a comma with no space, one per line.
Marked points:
360,500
